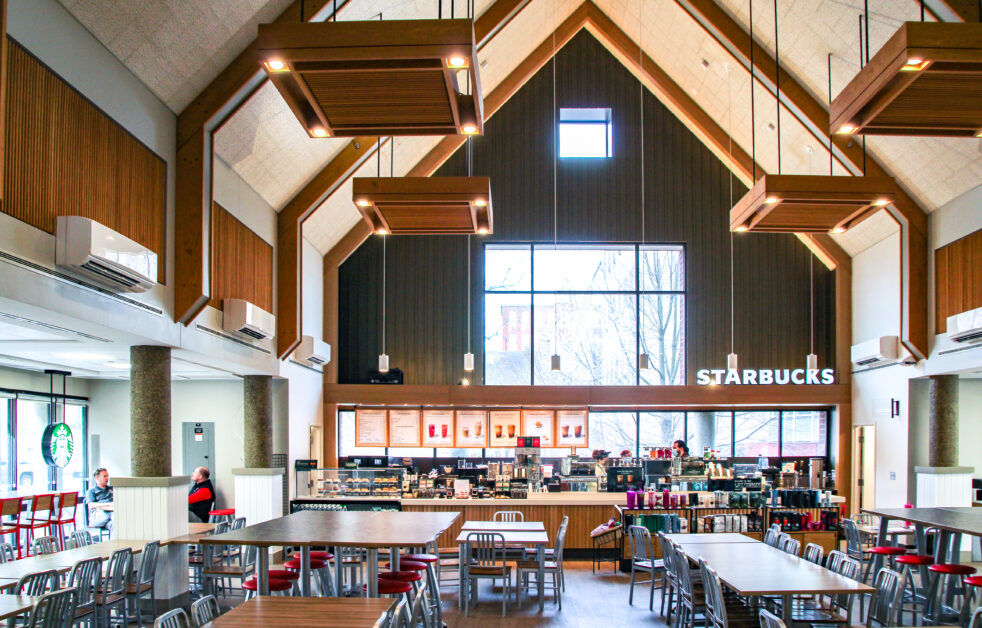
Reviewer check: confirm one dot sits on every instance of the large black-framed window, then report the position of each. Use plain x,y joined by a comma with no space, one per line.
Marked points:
597,305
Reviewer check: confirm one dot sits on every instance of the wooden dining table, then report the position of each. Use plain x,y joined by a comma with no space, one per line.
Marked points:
756,569
14,605
496,526
305,612
195,532
538,539
63,561
338,529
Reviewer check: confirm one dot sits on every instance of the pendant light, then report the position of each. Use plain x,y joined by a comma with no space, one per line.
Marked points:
732,362
642,355
556,363
811,361
383,358
469,357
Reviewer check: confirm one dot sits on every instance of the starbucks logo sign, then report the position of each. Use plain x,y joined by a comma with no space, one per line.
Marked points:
57,444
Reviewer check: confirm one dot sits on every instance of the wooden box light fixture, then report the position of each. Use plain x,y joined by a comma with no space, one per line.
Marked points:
397,77
425,205
926,80
810,203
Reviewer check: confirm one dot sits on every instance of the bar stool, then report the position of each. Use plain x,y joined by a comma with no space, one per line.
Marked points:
11,507
328,558
975,582
324,585
406,566
286,574
942,589
276,585
39,503
62,517
432,581
886,552
914,594
396,589
220,515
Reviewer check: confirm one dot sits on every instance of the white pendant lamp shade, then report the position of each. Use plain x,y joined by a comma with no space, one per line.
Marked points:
812,362
732,362
643,361
468,362
383,363
555,363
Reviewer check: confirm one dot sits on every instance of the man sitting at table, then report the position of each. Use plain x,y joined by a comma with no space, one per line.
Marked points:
101,493
201,497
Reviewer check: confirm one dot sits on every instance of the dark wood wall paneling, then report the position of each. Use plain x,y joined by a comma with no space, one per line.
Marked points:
65,157
241,262
957,278
688,200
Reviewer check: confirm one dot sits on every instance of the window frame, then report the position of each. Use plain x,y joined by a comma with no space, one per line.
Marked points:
607,123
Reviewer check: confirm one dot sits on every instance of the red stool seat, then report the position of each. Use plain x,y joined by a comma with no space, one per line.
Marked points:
322,555
275,584
314,564
887,551
409,565
390,587
283,574
915,559
975,581
222,512
404,576
954,570
421,558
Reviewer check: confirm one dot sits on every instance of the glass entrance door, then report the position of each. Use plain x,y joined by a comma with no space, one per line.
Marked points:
32,473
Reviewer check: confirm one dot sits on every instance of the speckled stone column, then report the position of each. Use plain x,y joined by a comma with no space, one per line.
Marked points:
943,441
150,415
258,423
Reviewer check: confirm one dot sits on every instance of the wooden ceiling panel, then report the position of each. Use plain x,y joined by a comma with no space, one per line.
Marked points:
425,205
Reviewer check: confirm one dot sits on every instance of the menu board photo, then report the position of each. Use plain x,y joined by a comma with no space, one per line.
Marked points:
371,427
541,423
472,428
504,427
404,426
571,428
437,428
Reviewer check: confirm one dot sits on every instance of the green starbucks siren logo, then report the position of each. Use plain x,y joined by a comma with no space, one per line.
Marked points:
57,444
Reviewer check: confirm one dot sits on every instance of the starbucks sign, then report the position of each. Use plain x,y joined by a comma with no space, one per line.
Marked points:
57,444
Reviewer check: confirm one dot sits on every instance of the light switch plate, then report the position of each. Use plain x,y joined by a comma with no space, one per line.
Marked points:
893,475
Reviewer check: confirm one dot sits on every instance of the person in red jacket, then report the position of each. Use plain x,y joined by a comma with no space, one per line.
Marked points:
201,497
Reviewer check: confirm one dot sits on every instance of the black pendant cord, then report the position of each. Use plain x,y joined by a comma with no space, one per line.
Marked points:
922,10
866,9
863,59
452,6
777,87
830,109
439,10
862,63
301,11
753,115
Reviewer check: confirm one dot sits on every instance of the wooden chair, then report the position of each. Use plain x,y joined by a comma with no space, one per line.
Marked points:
84,578
486,560
54,610
39,504
177,618
11,510
205,609
64,515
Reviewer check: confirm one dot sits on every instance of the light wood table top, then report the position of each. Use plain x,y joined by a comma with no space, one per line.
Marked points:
195,532
702,538
64,561
14,605
305,612
965,520
496,526
758,569
342,529
6,583
512,537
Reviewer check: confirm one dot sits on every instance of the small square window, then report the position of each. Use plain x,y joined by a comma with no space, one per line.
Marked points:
584,133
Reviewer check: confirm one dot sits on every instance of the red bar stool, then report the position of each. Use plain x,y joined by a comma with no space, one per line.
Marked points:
65,515
396,589
914,594
220,515
275,586
432,581
318,567
942,588
888,553
39,504
972,584
290,576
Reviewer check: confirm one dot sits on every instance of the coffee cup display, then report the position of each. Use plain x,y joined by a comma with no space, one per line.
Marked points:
497,431
433,430
443,431
578,430
565,431
478,427
511,430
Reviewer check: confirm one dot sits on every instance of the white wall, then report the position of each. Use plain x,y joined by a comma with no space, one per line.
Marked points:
16,379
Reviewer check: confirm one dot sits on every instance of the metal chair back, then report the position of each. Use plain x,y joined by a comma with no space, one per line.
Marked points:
37,583
238,524
148,562
176,618
854,540
205,609
771,536
84,578
509,515
683,573
814,553
834,558
667,556
847,568
976,621
557,549
640,539
770,620
54,610
419,615
885,603
791,545
44,545
487,549
117,573
715,606
6,552
82,538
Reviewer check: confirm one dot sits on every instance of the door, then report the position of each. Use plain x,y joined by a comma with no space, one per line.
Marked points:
198,447
864,458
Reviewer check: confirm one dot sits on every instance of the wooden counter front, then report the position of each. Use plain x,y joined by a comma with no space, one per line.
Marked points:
582,518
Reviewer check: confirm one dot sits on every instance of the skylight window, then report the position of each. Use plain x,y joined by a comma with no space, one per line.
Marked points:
584,133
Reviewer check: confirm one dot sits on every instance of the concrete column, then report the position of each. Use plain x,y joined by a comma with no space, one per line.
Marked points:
702,432
150,411
943,439
258,421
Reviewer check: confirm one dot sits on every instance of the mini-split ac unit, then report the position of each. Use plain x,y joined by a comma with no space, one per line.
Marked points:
965,327
250,320
96,252
312,352
877,351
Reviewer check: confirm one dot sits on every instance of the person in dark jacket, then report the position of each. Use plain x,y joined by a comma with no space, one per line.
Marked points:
201,497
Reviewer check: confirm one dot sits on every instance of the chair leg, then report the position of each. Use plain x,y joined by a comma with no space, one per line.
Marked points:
630,598
651,595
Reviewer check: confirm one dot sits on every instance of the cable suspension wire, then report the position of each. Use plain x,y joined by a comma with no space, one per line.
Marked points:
777,87
753,114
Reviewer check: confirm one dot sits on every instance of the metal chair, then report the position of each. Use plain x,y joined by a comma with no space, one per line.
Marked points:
44,545
112,593
509,515
144,585
791,545
6,553
884,605
670,585
176,618
84,578
814,553
643,560
243,571
690,604
53,610
976,621
420,610
716,612
81,538
37,583
770,620
552,567
205,609
772,534
486,560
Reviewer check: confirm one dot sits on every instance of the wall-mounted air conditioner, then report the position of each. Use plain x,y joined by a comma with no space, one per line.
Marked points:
965,327
877,351
96,252
250,320
312,352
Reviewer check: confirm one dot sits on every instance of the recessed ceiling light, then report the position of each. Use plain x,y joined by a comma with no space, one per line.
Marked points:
276,65
846,129
456,62
483,231
741,228
469,129
480,202
838,230
772,200
319,131
382,231
881,202
363,203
